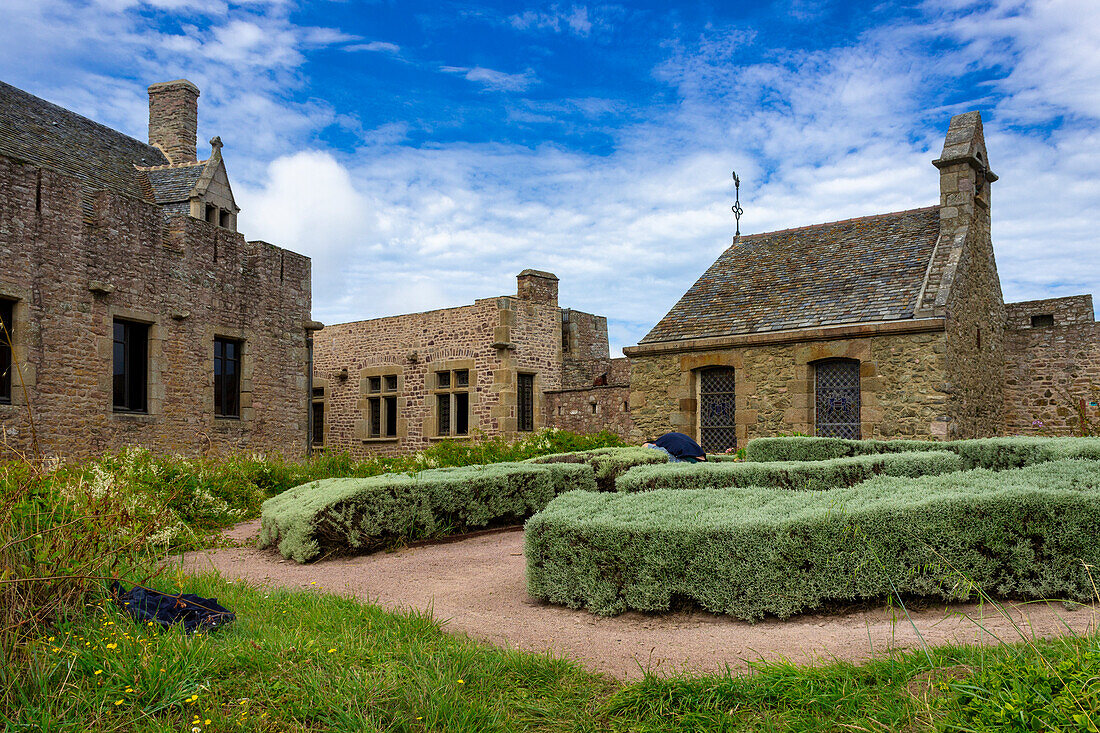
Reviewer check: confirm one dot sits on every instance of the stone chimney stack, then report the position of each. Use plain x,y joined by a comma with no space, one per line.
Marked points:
964,171
174,119
537,287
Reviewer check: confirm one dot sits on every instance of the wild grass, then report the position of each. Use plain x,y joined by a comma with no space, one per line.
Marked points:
307,661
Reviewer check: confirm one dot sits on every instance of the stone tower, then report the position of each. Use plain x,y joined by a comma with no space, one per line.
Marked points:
174,119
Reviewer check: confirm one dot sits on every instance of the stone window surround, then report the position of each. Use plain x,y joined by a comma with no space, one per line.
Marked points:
20,353
322,384
382,394
155,364
431,415
362,425
247,371
800,415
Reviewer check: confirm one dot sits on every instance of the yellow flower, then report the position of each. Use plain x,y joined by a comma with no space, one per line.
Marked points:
99,671
50,639
118,702
129,689
207,721
112,646
330,651
461,682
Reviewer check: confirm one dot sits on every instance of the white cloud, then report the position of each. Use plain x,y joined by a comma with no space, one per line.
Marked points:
377,46
494,80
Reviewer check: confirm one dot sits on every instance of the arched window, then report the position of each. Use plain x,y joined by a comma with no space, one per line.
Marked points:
836,399
717,429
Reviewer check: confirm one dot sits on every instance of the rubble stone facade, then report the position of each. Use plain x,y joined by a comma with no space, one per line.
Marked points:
80,257
490,368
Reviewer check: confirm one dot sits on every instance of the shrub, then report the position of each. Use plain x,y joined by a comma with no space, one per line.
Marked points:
992,453
608,463
800,475
748,552
364,514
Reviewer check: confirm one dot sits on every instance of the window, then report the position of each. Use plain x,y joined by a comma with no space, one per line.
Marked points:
836,399
131,367
225,219
717,425
7,331
382,406
318,437
565,339
227,378
1044,320
525,403
211,214
453,404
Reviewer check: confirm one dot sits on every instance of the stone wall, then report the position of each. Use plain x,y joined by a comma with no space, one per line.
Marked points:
1053,372
902,379
495,340
592,409
71,276
585,352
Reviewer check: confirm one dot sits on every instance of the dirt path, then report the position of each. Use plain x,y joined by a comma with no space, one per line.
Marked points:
477,585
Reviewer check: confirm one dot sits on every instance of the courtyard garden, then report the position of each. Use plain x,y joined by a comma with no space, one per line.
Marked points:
803,533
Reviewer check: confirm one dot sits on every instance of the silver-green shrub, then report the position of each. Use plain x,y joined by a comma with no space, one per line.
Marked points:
800,475
363,514
993,453
751,552
608,463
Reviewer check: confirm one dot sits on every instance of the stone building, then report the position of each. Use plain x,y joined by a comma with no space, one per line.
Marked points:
138,314
501,366
888,326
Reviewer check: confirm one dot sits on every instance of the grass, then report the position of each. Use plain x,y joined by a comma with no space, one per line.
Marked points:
305,661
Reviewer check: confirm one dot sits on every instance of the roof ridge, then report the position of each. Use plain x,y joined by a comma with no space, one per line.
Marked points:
189,164
869,217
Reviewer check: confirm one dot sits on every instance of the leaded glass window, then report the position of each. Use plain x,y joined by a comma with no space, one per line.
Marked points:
717,428
836,399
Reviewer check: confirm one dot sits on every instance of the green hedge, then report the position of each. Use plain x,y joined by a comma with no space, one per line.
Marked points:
800,475
751,552
992,453
364,514
608,463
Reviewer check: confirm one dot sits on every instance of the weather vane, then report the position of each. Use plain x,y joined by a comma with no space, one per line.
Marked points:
737,210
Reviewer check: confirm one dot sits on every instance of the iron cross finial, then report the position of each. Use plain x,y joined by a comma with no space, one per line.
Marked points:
737,210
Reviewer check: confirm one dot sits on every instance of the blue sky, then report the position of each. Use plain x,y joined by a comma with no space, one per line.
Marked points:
423,153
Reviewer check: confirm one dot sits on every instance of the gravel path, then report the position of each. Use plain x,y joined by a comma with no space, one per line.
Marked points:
477,586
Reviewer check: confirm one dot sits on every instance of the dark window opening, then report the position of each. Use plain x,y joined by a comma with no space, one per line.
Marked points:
375,405
626,407
444,404
717,414
225,219
525,403
595,408
1043,320
375,384
318,393
227,378
978,338
211,214
565,340
391,382
836,399
318,423
462,413
462,378
391,417
131,366
7,330
443,379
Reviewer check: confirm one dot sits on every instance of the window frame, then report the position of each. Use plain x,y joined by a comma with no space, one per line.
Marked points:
7,350
825,363
454,397
234,388
383,407
525,402
135,392
701,396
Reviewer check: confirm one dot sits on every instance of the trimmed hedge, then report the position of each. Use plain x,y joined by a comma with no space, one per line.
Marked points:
800,475
608,463
993,453
364,514
752,552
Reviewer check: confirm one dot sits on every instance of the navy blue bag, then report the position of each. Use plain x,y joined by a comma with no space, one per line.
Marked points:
194,612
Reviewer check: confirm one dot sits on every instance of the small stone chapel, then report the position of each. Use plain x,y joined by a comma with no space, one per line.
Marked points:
885,326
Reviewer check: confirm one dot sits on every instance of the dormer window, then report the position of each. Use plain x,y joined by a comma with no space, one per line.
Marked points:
211,214
225,219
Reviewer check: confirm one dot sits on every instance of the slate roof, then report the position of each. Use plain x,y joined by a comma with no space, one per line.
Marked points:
41,133
173,184
866,269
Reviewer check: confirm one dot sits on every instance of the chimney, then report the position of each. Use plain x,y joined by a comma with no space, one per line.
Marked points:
174,119
964,171
537,287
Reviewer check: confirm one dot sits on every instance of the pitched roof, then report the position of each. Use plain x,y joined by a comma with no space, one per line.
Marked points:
174,183
866,269
41,133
